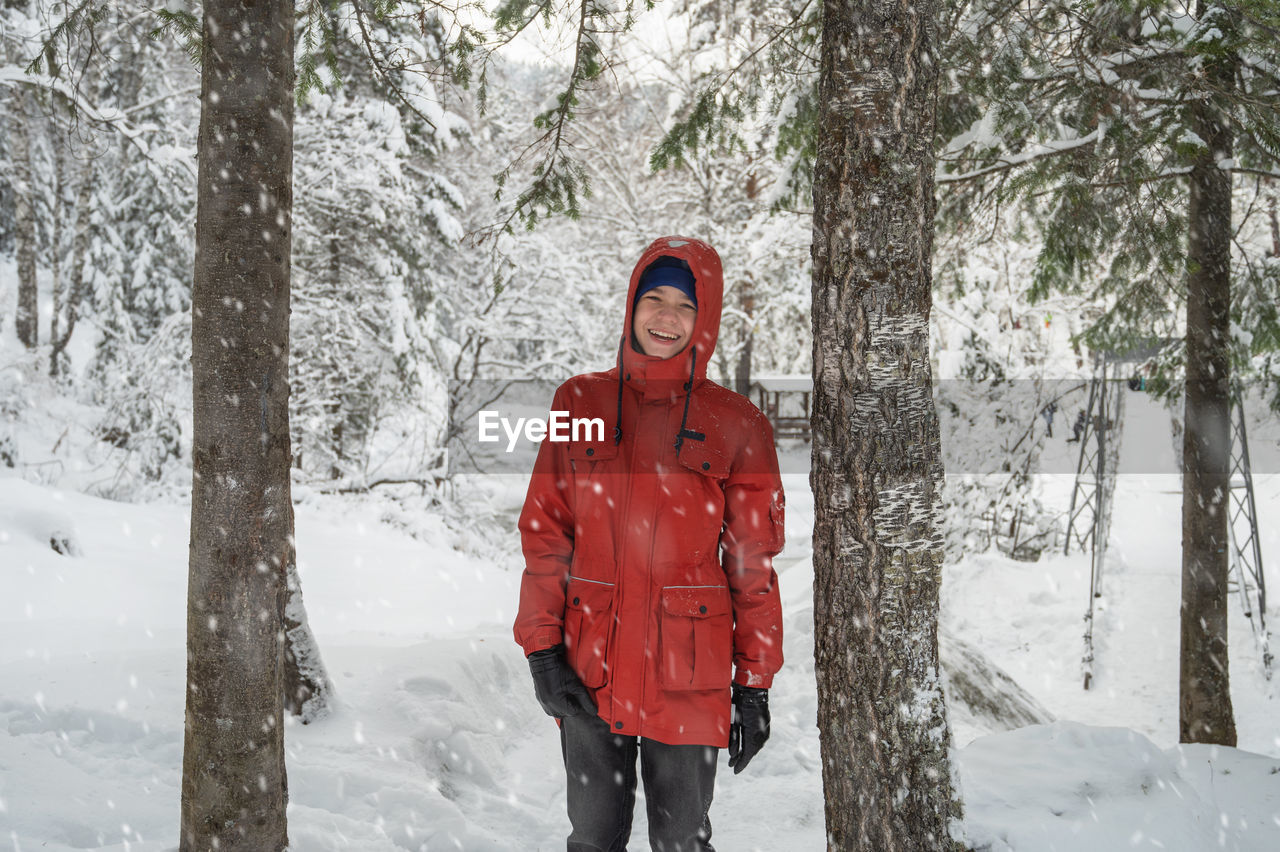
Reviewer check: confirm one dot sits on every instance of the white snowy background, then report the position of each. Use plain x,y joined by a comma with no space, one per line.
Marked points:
437,743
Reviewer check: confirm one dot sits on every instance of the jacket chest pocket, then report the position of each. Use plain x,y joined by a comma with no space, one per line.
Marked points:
696,638
585,456
588,617
700,503
596,481
706,460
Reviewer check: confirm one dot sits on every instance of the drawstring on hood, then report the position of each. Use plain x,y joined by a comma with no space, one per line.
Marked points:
617,423
652,376
684,418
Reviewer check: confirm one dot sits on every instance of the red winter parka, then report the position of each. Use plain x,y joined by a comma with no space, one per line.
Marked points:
649,552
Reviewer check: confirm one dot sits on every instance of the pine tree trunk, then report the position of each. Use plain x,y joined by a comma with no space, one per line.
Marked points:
1205,712
26,321
233,780
877,465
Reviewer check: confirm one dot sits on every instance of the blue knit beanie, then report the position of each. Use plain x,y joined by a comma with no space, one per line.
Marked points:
668,271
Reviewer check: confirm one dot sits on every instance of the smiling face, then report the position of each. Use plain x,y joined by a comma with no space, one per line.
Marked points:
663,321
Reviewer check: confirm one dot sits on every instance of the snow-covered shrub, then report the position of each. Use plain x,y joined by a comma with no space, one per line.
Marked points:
144,429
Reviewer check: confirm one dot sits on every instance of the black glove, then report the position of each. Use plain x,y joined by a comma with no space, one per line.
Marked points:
557,686
749,729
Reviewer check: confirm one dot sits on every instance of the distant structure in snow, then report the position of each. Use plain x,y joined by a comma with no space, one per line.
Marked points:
1099,428
787,401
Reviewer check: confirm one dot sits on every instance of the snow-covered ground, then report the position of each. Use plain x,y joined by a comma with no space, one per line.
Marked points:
436,741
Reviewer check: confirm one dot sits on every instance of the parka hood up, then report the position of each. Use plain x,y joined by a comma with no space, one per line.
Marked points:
663,378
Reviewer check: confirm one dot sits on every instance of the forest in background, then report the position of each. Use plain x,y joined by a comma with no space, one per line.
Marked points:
407,290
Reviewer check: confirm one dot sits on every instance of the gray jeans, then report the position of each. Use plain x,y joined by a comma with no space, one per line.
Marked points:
601,768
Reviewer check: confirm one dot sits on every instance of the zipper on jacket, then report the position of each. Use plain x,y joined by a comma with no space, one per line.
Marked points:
648,578
620,568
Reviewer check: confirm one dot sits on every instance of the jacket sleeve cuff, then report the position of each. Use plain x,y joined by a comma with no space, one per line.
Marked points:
543,637
748,678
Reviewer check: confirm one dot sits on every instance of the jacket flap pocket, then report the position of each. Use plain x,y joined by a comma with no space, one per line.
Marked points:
696,455
589,596
696,601
593,450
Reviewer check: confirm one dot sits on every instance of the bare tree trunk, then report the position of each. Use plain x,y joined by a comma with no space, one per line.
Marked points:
742,370
55,254
747,301
1275,226
75,286
335,409
234,788
1205,711
877,465
26,321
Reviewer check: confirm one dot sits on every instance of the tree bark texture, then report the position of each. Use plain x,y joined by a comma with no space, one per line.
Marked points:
877,465
1205,712
26,320
233,772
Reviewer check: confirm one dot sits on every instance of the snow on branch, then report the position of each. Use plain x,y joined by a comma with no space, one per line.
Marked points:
113,119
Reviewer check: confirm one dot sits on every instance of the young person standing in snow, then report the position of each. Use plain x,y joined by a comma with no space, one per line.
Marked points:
649,607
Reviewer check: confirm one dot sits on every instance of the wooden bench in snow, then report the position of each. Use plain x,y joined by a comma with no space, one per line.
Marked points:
786,401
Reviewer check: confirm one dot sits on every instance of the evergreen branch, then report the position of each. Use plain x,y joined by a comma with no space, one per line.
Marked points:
1045,149
185,27
558,179
1271,27
1038,151
1129,182
79,20
1241,170
316,17
1099,67
1261,66
513,17
710,109
380,70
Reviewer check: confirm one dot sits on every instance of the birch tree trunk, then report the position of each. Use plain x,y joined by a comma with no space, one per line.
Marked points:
26,320
1204,709
877,462
233,773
